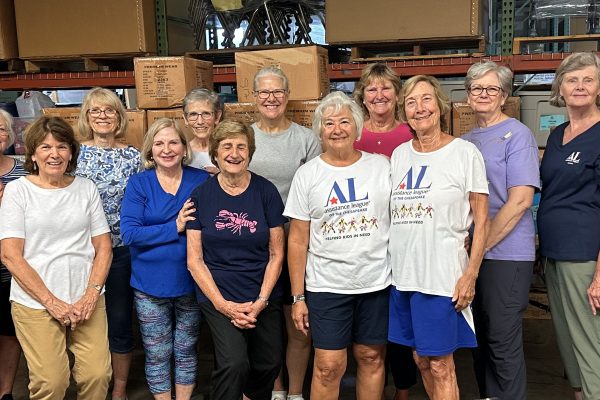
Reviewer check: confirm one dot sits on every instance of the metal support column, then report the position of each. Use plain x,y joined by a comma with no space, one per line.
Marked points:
508,18
162,42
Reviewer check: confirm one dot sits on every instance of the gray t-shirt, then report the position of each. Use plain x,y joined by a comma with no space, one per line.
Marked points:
278,155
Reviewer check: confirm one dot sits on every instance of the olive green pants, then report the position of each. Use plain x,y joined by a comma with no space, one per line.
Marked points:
577,329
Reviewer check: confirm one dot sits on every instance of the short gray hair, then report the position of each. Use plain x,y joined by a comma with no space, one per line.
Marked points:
271,70
574,62
334,102
8,121
205,95
504,74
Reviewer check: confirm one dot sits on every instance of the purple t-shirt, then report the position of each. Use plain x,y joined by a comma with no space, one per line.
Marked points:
511,159
383,142
235,235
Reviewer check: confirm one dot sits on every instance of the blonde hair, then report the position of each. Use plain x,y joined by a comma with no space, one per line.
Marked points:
101,97
158,125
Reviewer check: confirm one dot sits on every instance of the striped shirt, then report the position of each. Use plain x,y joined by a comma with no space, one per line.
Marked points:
16,172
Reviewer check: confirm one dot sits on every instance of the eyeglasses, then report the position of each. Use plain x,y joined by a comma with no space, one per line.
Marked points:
3,132
277,93
490,90
96,112
193,116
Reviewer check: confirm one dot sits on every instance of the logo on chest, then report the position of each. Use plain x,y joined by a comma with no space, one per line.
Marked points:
573,158
342,194
234,222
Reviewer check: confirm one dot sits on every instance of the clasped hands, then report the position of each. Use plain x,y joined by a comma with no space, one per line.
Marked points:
242,315
73,314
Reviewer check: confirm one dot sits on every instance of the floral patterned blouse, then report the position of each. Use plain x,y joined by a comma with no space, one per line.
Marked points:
110,169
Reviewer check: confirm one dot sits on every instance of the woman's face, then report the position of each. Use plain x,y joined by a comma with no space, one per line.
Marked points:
580,88
103,119
421,108
380,98
52,157
201,117
233,155
167,149
338,131
271,97
491,99
3,136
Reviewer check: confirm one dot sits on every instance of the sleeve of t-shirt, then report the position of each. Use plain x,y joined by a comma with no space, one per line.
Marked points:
99,225
273,206
314,147
133,229
198,201
297,206
12,212
522,160
475,171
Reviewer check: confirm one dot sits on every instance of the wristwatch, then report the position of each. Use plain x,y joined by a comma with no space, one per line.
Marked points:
298,297
95,286
263,299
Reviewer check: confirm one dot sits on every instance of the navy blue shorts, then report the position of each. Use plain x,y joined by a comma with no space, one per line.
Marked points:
428,323
338,320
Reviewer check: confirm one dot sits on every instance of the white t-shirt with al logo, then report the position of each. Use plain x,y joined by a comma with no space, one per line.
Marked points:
348,210
431,215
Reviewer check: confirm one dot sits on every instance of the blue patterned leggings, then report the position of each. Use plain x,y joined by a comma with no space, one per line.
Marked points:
169,326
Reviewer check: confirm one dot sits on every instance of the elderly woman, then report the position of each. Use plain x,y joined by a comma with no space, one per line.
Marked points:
337,247
109,163
377,93
281,147
10,169
502,288
235,252
202,111
56,244
569,220
155,210
439,191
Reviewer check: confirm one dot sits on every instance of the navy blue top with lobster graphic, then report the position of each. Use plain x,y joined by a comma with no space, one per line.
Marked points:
235,235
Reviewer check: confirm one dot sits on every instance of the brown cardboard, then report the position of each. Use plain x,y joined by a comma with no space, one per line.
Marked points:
163,82
366,21
8,31
463,117
579,27
305,67
299,111
136,123
85,27
173,113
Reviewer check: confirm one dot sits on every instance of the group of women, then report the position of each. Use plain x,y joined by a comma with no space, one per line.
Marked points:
401,237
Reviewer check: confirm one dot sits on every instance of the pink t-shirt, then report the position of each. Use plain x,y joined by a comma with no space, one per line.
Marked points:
383,142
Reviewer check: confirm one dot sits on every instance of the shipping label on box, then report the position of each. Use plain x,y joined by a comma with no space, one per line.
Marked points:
298,111
135,118
163,82
464,119
172,113
305,67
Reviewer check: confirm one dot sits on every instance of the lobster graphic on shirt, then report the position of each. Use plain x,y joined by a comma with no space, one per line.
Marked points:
234,222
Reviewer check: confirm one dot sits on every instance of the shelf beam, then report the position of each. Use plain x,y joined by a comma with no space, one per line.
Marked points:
62,80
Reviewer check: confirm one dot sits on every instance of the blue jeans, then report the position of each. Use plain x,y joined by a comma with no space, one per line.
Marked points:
169,326
119,302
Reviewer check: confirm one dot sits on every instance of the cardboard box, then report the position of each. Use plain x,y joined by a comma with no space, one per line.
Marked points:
463,117
8,31
363,21
173,113
163,82
305,67
85,27
135,118
299,111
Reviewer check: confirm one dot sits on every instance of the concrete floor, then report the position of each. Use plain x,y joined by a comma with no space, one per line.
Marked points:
545,372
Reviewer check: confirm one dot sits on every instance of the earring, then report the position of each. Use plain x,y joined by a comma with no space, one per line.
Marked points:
34,166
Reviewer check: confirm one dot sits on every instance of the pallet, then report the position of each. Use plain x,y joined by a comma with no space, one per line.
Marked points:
91,63
518,42
11,66
462,46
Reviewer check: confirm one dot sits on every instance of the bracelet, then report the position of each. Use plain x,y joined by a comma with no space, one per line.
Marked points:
263,299
95,286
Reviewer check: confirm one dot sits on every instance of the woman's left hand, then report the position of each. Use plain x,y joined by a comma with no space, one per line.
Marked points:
85,306
464,292
185,215
593,293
